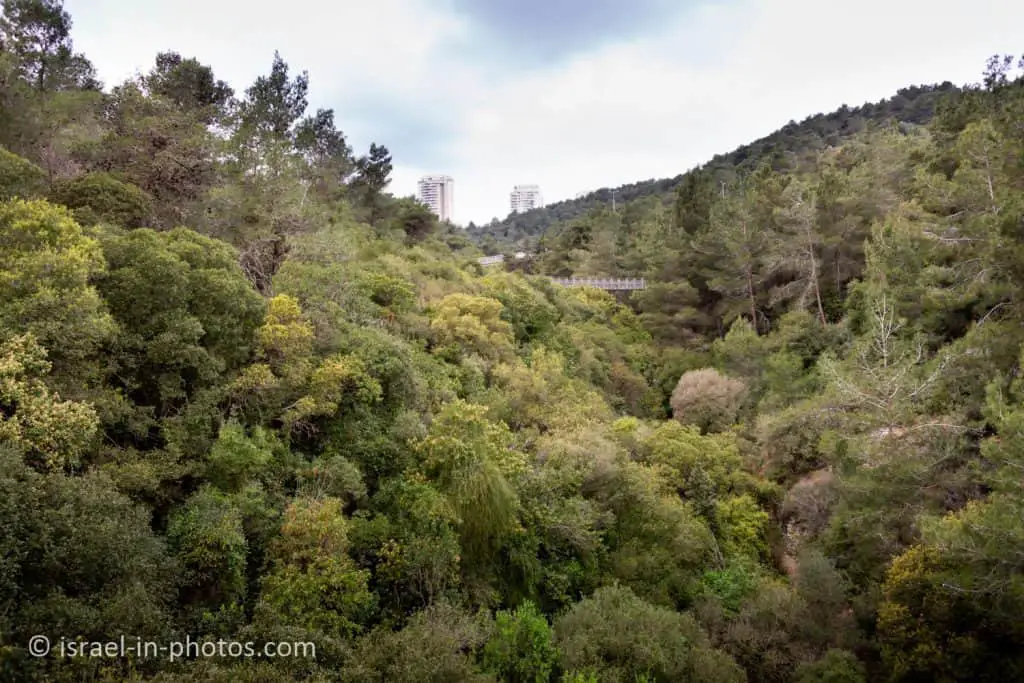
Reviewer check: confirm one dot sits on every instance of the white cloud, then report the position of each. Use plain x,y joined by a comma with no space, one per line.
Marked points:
346,47
635,111
704,84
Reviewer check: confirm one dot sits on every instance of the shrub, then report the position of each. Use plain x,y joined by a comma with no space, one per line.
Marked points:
101,198
707,399
19,177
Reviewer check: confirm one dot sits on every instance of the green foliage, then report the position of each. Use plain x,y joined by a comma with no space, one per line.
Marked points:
469,458
78,555
620,637
237,458
731,586
416,544
472,323
837,666
950,602
101,198
703,468
417,222
915,105
186,312
52,433
531,314
439,643
19,177
521,649
743,527
46,267
207,536
337,380
391,293
313,584
312,417
657,544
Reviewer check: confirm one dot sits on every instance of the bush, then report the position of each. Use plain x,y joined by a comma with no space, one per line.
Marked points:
521,649
836,666
101,198
19,177
621,639
707,399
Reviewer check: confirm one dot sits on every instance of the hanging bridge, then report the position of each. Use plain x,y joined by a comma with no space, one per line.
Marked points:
612,284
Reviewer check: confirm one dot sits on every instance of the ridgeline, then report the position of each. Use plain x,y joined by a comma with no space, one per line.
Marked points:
787,149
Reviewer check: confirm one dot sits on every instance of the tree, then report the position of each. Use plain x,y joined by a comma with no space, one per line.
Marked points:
19,177
694,199
313,584
322,143
207,536
99,197
186,312
438,644
836,666
472,323
740,243
468,457
273,104
158,146
373,173
707,399
47,269
52,433
417,222
621,638
521,649
66,565
889,368
189,85
798,227
38,33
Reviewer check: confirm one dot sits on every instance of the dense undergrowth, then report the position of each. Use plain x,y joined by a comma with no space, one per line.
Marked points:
310,416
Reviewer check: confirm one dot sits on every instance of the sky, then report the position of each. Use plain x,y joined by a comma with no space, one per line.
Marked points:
572,95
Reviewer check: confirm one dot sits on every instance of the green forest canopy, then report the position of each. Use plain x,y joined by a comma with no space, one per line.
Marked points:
247,395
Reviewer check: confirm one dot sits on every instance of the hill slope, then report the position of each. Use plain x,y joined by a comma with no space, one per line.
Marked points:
787,147
310,424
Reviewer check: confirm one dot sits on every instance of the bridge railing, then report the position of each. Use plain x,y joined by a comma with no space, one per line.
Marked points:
615,284
607,283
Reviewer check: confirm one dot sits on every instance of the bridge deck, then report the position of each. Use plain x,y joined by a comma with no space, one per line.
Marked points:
612,284
608,283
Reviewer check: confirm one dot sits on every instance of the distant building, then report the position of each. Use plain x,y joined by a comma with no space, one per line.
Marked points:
525,197
438,193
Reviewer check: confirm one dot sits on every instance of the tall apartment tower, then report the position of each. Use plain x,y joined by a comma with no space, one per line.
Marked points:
525,197
438,192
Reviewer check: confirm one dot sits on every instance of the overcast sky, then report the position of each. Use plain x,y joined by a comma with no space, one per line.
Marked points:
573,95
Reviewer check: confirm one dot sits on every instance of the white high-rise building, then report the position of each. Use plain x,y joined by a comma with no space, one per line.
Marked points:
438,192
525,197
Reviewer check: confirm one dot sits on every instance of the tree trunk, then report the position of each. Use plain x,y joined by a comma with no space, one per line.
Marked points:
753,301
814,276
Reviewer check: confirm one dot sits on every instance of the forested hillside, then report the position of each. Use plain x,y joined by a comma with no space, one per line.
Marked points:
789,149
250,399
